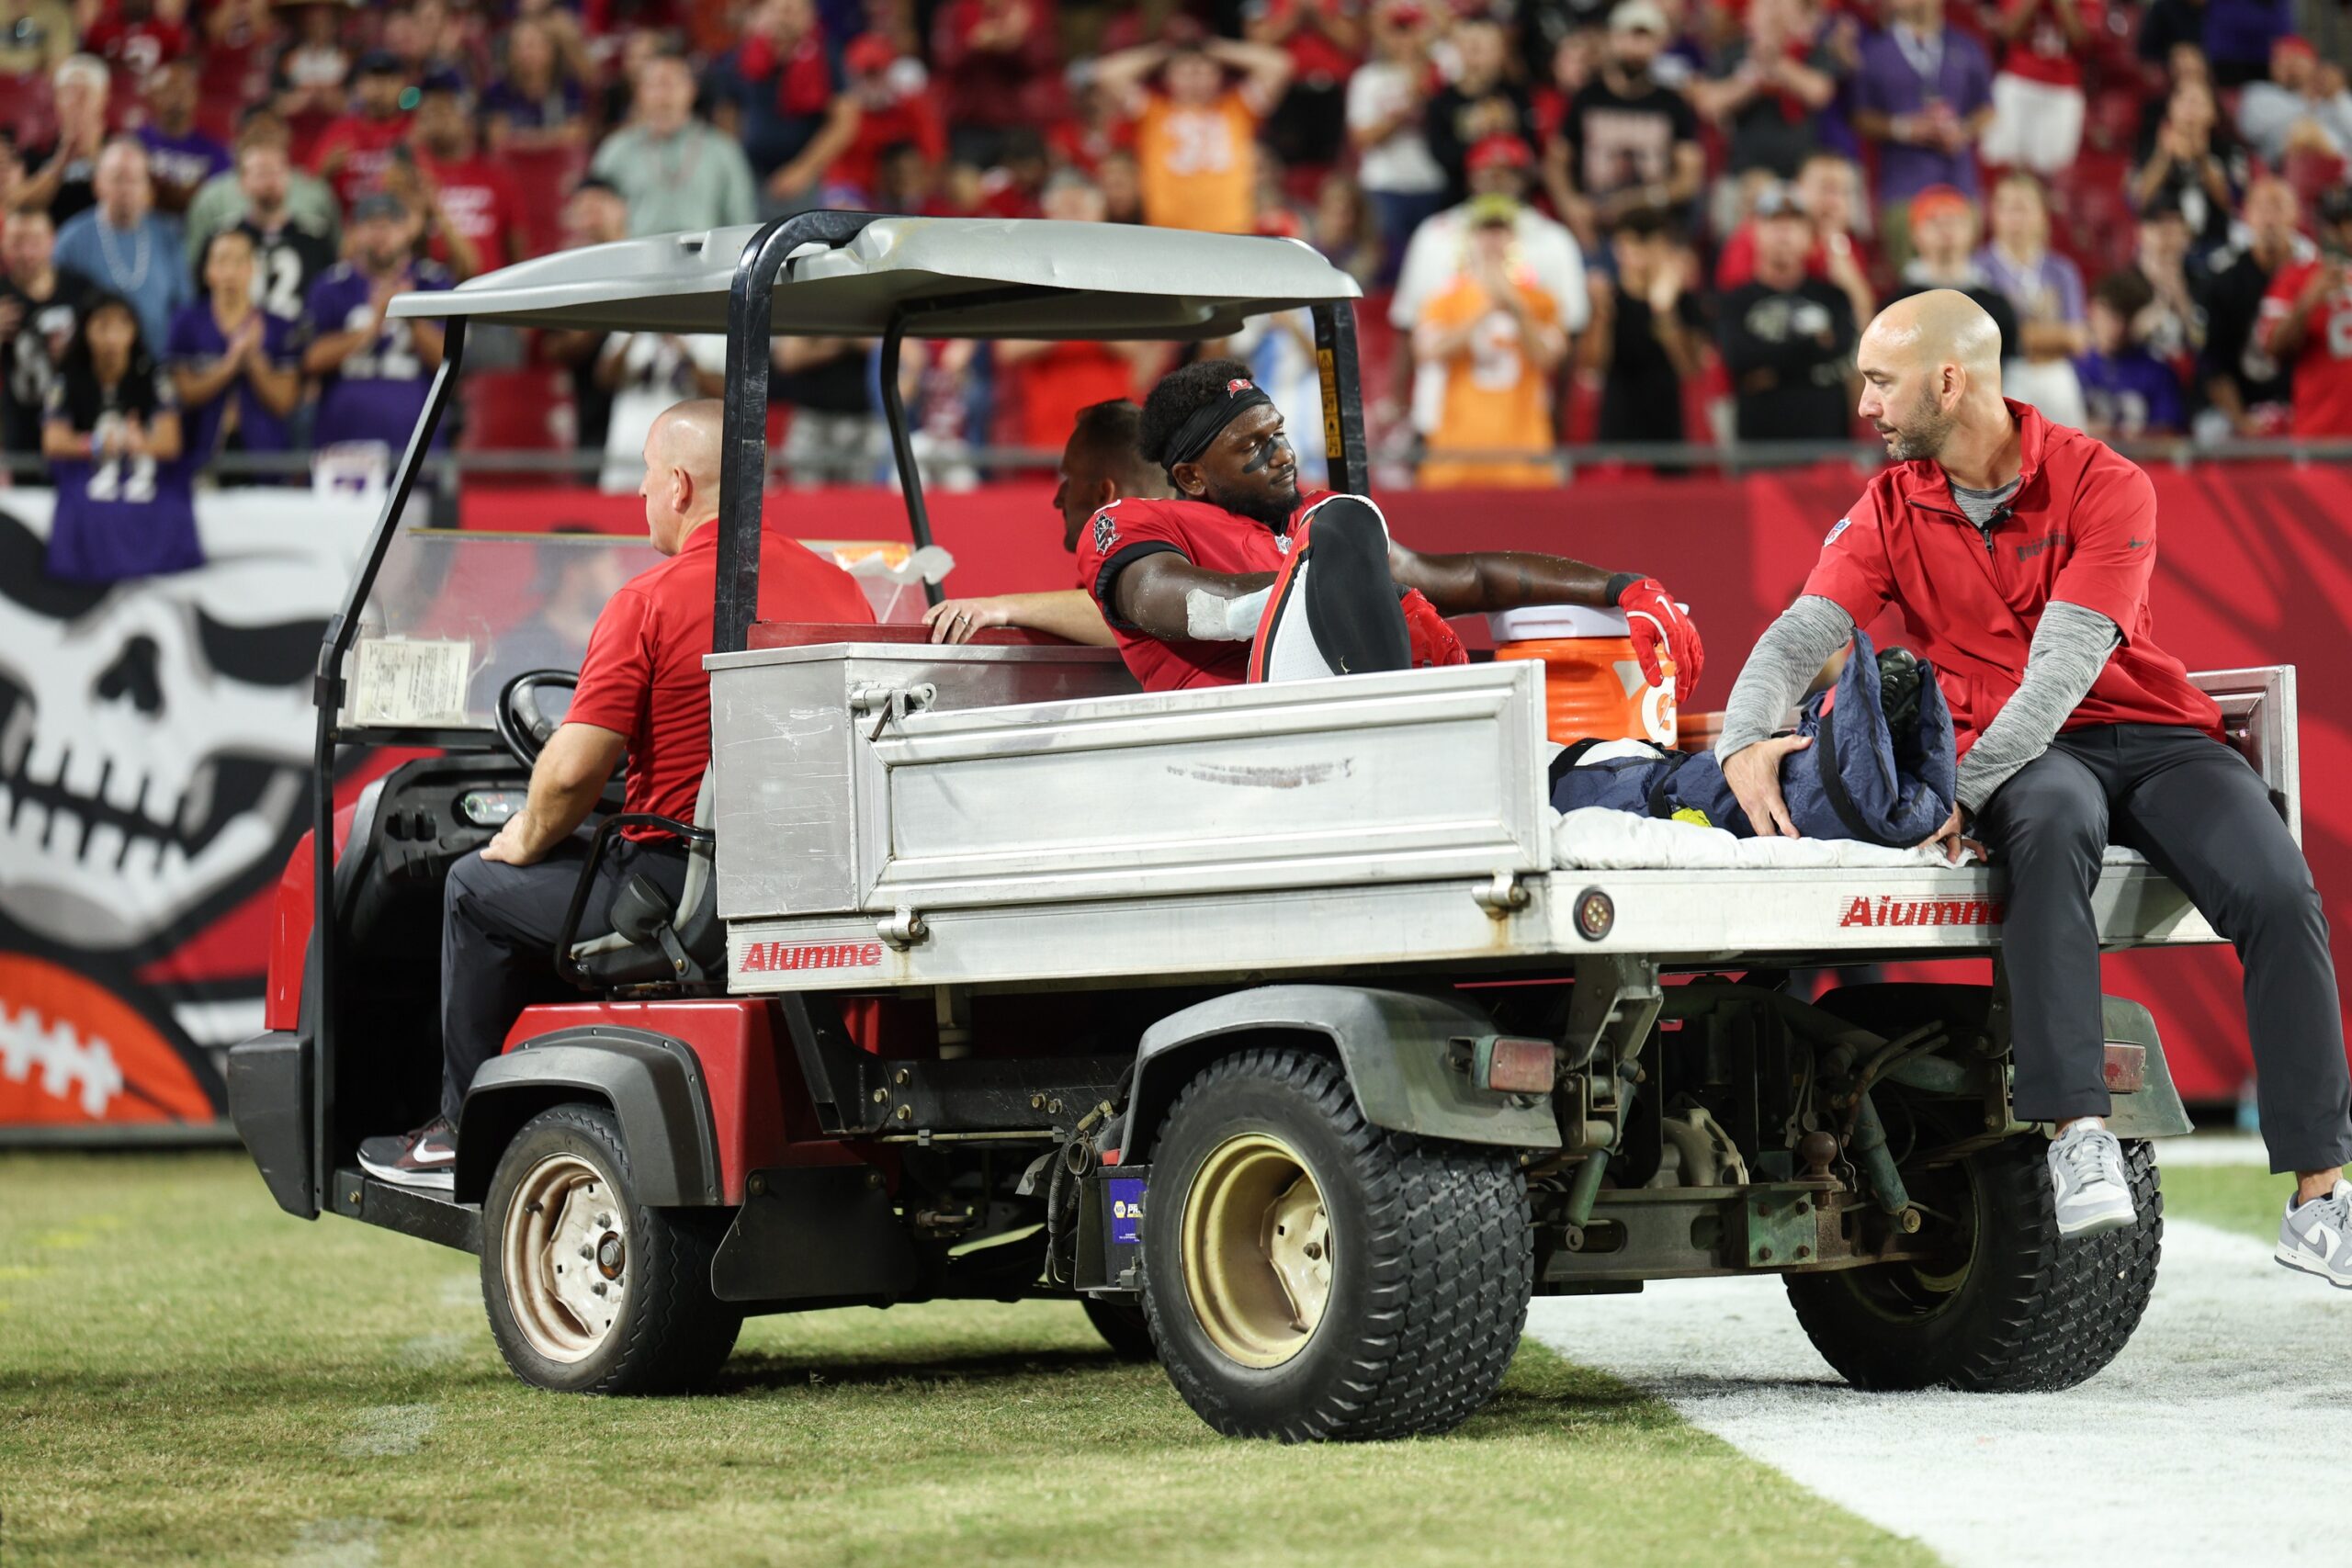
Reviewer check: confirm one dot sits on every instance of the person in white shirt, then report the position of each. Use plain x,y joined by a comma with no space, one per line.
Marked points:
1400,176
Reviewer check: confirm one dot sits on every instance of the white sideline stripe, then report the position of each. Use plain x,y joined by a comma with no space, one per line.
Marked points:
2215,1437
389,1429
2217,1148
336,1543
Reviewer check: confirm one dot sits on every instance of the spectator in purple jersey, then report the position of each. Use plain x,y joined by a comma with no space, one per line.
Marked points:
537,103
372,372
179,156
1924,92
2128,392
111,433
233,363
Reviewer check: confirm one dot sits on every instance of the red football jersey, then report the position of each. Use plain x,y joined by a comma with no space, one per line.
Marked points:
2324,366
1211,538
642,676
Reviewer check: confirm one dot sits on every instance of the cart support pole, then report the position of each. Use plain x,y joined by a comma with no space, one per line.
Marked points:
1336,364
744,450
327,694
902,444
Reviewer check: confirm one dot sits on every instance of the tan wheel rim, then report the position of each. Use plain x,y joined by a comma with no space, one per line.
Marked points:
565,1250
1257,1250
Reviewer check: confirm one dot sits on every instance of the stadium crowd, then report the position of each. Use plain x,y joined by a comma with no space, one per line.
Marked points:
1650,220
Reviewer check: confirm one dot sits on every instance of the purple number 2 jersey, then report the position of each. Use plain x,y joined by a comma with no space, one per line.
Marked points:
379,392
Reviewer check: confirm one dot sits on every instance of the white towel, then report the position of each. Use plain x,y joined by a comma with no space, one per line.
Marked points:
1596,837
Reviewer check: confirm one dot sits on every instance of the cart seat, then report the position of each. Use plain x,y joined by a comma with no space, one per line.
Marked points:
654,941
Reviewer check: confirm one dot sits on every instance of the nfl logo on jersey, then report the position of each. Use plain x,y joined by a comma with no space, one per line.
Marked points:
1106,533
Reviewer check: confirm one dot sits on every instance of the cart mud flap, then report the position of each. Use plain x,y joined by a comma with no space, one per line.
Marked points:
2145,1104
269,1104
1397,1048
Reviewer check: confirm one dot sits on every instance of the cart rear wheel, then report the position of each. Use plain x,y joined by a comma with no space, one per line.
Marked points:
588,1290
2009,1306
1312,1275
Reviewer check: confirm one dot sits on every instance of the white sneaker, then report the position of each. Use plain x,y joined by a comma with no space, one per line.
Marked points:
2094,1196
2316,1237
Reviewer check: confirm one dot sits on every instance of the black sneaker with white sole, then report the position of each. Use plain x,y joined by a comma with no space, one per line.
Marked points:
427,1157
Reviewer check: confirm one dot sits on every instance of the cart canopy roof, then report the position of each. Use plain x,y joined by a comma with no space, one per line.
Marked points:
958,276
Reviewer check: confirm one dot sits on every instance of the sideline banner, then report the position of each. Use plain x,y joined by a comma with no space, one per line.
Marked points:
155,737
154,754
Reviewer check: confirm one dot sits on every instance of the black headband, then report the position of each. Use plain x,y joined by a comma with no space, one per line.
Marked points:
1192,437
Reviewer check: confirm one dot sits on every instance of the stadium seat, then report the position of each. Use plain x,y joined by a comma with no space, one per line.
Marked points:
517,411
544,176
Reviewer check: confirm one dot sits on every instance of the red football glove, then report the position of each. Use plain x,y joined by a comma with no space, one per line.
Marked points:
1657,625
1433,642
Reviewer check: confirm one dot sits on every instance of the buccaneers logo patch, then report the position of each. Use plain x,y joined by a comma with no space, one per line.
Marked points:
1106,533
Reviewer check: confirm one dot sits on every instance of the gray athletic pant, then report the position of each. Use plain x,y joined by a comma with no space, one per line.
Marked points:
499,924
2204,818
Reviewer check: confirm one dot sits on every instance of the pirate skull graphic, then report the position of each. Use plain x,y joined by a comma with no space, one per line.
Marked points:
153,733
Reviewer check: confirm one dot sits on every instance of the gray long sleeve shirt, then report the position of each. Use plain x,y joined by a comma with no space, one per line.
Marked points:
2071,646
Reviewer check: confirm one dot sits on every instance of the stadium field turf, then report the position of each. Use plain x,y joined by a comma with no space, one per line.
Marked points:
188,1376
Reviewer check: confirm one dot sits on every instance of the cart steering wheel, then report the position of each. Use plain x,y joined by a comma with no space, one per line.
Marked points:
522,723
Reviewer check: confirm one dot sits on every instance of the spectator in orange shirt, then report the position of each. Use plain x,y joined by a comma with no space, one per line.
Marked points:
1196,137
1498,338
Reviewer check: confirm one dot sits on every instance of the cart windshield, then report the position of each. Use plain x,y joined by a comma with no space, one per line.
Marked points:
456,613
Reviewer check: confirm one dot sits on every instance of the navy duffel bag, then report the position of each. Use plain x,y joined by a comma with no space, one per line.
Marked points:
1880,767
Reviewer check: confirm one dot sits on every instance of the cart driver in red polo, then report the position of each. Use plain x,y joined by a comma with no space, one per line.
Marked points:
1184,583
2020,553
642,696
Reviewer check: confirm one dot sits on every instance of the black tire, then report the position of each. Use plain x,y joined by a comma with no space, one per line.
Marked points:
669,1334
2027,1310
1123,1326
1431,1261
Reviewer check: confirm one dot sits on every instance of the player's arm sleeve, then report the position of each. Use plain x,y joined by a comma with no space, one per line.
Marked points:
1787,657
2071,646
2114,551
616,672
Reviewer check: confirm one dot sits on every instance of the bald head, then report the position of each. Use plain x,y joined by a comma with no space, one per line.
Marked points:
682,455
1930,363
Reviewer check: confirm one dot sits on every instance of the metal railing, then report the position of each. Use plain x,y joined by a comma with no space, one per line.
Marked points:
1393,466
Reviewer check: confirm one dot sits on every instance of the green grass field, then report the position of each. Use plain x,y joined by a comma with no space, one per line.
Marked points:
188,1376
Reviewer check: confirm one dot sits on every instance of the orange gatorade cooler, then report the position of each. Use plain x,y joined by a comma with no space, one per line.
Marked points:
1592,683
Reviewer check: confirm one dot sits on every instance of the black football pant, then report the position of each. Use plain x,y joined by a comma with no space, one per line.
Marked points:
499,923
2203,816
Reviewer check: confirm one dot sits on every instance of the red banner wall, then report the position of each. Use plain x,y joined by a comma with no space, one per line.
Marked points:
2256,568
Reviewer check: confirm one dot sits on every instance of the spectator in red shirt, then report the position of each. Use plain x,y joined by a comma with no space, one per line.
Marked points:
796,116
995,60
239,36
1325,39
134,36
895,105
2306,324
2038,92
1828,191
1093,129
477,210
1043,385
353,154
1016,186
